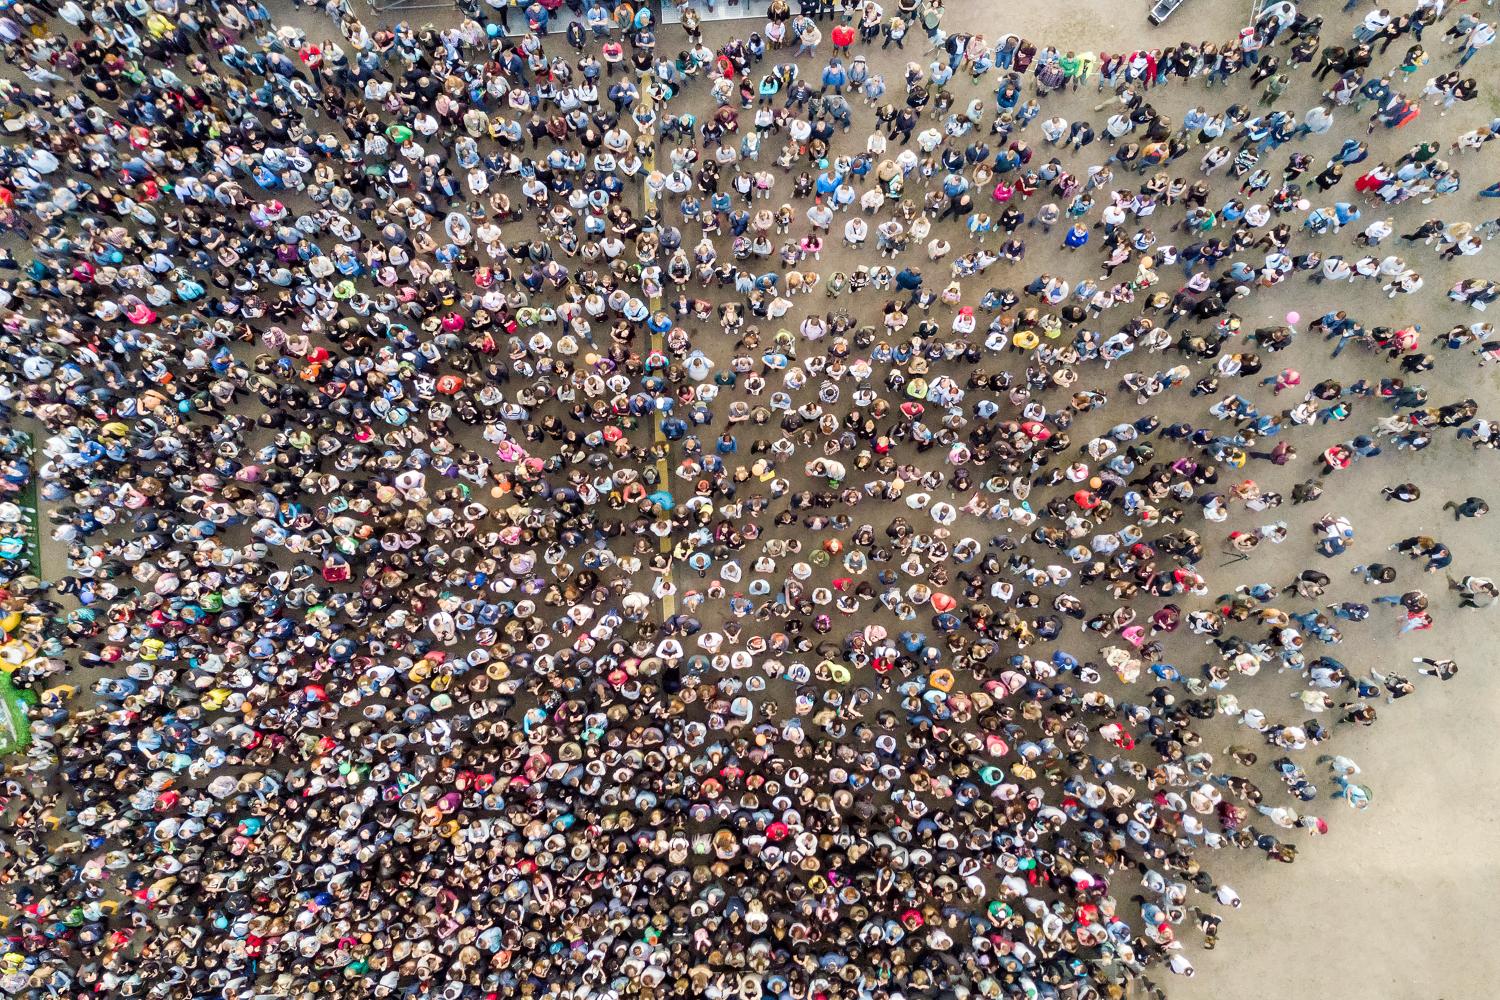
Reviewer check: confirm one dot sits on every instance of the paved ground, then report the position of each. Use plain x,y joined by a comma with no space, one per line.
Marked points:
1389,905
1395,903
1386,905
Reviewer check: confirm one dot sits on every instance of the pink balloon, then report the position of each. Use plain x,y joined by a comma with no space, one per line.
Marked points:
1293,317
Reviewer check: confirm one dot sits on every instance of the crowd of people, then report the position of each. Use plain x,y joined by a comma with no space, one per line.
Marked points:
597,513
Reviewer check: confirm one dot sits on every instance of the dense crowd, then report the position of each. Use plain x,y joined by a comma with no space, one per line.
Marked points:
564,515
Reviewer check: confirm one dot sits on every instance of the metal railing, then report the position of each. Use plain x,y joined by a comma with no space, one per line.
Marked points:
396,6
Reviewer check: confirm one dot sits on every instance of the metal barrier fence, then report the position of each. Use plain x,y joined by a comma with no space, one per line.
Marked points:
397,6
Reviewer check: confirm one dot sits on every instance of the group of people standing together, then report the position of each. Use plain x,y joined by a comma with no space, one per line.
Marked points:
599,513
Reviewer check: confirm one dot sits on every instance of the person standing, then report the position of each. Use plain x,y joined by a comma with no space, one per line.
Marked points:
1471,507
